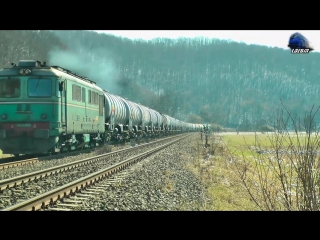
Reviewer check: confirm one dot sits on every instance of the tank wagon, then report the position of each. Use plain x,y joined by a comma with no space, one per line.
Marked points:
167,124
127,120
198,127
158,131
49,109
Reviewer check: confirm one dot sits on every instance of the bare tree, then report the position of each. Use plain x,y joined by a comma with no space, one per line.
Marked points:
282,172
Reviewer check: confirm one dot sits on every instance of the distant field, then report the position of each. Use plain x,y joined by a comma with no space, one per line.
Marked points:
239,143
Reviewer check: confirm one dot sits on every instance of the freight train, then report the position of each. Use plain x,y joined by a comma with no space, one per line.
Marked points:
49,109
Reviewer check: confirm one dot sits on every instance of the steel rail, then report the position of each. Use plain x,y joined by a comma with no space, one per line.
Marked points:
48,198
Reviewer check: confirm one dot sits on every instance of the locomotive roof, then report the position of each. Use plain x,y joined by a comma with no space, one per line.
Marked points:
38,68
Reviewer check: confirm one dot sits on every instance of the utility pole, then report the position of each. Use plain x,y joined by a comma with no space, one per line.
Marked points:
207,134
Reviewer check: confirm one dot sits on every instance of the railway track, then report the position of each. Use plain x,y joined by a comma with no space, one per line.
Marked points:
11,162
101,171
17,163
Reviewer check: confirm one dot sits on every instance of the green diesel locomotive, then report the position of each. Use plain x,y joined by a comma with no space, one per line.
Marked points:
48,109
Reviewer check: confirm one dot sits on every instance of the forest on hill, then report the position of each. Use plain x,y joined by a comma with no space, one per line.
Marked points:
197,80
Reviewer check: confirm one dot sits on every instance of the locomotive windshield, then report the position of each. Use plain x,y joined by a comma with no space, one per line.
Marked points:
9,87
39,87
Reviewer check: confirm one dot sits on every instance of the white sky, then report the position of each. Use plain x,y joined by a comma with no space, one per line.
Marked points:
271,38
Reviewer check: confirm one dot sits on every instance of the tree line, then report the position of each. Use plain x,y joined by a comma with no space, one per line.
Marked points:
197,80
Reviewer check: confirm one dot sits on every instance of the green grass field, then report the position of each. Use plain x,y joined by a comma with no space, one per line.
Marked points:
240,144
219,174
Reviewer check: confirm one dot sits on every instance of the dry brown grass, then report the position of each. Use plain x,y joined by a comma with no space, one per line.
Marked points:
217,173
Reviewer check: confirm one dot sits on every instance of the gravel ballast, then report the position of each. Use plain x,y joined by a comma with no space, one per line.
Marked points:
162,182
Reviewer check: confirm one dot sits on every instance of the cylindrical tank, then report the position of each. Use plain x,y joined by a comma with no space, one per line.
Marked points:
115,109
166,122
182,125
173,123
146,118
153,118
160,119
133,113
176,124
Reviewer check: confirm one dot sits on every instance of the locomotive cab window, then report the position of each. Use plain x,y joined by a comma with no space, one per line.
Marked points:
39,87
9,87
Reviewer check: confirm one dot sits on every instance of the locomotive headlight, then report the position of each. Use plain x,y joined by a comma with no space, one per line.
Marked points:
4,116
44,116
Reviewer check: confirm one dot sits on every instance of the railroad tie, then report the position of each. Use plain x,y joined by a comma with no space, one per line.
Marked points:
122,173
112,181
96,190
88,192
78,198
59,209
83,195
104,185
67,205
118,177
18,195
21,200
72,201
102,188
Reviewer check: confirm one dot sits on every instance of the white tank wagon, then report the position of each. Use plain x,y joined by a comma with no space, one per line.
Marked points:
153,119
183,126
188,127
156,120
180,125
170,124
115,113
166,124
146,118
133,115
199,127
160,121
175,124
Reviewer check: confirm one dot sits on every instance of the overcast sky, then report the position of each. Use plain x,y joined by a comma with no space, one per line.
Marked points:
271,38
